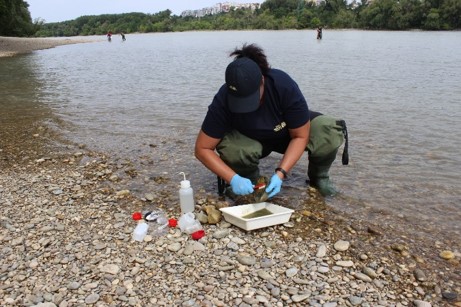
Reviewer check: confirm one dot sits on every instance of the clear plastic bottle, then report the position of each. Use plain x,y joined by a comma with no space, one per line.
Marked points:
186,196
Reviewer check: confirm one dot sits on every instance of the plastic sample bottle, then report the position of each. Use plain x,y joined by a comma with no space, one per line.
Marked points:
186,196
140,232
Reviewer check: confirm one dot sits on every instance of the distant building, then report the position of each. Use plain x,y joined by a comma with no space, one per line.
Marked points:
223,7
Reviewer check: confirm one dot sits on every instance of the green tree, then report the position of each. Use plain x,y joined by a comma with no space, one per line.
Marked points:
280,8
451,13
432,21
15,19
344,19
377,14
305,19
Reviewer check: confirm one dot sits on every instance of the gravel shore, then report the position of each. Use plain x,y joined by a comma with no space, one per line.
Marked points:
66,235
11,46
66,240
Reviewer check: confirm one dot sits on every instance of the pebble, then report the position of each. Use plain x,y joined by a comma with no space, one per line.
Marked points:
346,263
321,251
221,233
267,263
291,272
362,277
246,259
264,274
419,275
92,298
355,300
419,303
447,255
74,285
341,245
450,296
369,272
110,268
174,247
300,298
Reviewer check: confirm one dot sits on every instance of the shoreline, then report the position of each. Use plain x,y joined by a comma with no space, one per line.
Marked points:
12,46
66,232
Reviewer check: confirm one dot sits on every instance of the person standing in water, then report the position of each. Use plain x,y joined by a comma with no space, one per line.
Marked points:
319,32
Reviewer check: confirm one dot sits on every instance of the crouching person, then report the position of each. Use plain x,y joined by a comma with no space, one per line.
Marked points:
260,110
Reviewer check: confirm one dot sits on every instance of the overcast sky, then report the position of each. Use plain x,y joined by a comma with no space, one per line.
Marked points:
61,10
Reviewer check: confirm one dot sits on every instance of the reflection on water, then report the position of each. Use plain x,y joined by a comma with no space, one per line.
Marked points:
144,99
21,111
19,88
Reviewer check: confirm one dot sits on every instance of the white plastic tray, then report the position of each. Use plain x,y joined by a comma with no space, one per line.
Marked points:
234,215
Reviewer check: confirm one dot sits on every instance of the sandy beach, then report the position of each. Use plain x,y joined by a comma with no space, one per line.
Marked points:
66,240
11,46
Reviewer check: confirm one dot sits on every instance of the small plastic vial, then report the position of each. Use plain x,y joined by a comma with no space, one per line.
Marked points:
140,232
186,196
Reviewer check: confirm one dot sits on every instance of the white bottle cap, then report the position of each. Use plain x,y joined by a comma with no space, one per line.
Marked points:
185,184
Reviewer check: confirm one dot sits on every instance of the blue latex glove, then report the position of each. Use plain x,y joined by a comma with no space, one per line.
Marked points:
275,185
241,186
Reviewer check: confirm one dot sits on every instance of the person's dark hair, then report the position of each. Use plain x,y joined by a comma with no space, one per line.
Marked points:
255,53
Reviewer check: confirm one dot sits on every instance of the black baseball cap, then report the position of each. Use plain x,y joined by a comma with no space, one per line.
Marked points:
243,79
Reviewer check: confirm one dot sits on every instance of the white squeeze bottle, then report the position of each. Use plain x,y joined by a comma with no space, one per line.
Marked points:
186,196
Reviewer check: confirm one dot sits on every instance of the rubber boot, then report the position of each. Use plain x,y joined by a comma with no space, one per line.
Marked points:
318,173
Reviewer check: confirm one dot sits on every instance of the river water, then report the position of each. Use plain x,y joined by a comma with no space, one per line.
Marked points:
144,100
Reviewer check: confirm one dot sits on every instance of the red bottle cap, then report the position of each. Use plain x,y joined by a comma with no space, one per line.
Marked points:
137,216
172,222
198,234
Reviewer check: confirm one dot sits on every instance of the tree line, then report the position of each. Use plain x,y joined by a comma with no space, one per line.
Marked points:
272,15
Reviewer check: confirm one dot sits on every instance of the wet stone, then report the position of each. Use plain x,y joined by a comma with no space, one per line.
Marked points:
450,296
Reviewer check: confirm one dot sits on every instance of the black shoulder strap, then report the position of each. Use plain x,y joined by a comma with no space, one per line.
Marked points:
345,157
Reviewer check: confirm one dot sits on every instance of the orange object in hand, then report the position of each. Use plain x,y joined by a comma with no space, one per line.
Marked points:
259,186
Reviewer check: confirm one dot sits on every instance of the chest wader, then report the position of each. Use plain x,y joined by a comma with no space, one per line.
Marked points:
240,153
326,136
